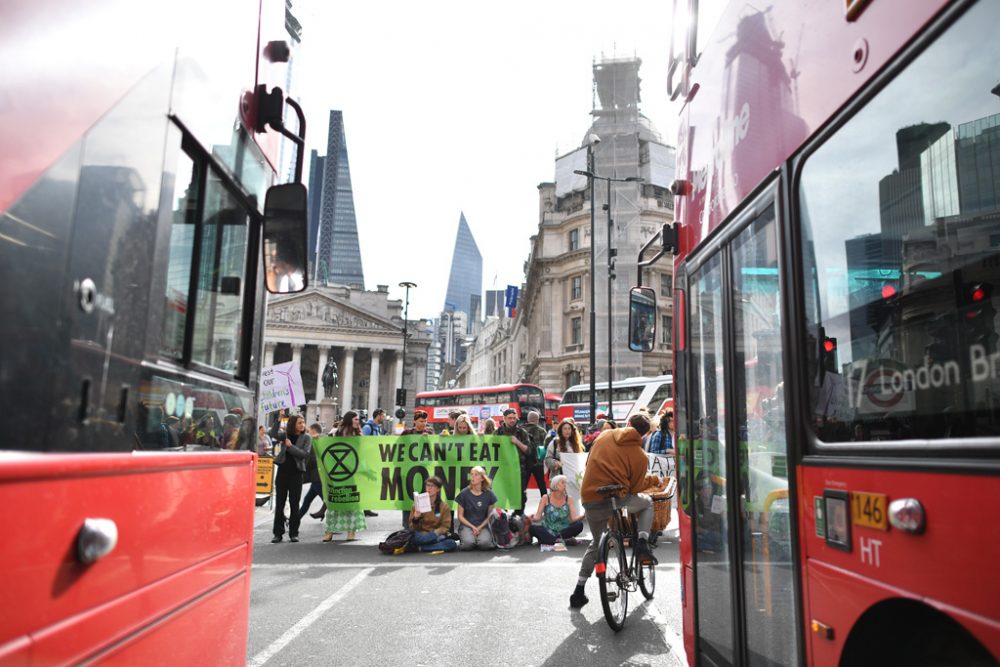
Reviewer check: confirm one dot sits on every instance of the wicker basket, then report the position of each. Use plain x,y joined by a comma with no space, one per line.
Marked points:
661,506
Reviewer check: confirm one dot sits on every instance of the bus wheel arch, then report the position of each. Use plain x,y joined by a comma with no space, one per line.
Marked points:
911,632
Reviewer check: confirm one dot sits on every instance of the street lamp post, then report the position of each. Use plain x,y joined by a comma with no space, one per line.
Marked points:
611,275
406,334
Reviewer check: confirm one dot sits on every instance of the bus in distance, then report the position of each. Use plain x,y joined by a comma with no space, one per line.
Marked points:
836,352
481,403
630,396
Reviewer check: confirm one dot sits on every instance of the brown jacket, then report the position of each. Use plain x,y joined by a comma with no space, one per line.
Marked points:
429,522
616,457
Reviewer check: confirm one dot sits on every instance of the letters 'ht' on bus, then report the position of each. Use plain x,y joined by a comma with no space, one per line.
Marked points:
481,403
630,396
134,176
837,364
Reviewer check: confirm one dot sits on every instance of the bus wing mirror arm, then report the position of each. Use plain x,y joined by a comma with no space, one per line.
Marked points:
270,108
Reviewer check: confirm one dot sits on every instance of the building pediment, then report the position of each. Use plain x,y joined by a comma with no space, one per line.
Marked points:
313,310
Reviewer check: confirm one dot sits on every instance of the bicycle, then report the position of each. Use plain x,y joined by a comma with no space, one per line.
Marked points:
617,574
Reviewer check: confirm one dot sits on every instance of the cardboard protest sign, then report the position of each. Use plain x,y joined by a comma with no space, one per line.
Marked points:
661,466
385,471
281,387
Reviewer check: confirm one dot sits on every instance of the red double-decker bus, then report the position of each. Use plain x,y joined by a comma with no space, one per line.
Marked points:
838,243
552,402
138,194
481,403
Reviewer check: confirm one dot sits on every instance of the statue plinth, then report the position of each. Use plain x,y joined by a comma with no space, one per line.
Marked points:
325,411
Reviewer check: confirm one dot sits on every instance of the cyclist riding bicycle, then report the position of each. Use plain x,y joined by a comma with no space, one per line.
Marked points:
617,457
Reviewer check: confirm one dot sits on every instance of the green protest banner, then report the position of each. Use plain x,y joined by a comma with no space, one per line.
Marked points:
383,472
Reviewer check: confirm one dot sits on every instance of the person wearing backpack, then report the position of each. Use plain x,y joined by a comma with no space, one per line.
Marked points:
475,507
430,529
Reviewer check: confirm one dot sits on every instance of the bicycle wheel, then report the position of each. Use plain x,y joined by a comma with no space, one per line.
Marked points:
614,594
647,578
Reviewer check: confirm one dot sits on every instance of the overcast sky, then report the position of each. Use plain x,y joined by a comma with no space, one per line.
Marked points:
463,106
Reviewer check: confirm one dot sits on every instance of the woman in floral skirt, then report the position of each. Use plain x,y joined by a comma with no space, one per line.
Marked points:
338,521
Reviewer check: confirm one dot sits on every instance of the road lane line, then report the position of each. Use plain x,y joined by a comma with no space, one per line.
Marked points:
672,639
310,618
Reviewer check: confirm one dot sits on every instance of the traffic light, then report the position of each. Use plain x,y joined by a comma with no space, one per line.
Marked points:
400,396
979,315
826,354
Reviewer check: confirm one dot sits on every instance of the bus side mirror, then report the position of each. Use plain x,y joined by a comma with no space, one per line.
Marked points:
641,319
285,237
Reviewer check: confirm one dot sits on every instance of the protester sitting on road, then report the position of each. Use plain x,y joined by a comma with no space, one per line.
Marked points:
312,476
463,426
475,507
617,458
567,441
556,519
419,427
350,520
431,529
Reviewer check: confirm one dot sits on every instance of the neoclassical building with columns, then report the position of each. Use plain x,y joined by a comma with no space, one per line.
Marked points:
362,332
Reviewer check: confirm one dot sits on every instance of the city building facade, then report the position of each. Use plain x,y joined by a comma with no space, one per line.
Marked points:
362,332
548,340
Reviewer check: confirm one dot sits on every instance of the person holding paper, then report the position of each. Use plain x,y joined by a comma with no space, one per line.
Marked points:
430,519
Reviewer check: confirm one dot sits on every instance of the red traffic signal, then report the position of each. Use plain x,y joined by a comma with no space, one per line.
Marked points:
829,344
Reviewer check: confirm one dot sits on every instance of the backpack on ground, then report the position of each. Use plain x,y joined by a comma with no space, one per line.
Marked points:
396,543
502,535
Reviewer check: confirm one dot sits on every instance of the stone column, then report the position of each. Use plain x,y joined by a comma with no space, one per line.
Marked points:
347,378
269,354
297,354
373,382
324,355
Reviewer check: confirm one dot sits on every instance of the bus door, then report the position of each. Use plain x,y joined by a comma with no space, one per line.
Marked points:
737,464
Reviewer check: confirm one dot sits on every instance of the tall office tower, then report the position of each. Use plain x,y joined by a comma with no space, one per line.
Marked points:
338,258
465,284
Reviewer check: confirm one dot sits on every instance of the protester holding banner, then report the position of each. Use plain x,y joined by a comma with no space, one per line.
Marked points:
475,506
489,426
556,518
662,441
567,441
290,456
521,440
431,527
463,426
312,476
533,467
346,520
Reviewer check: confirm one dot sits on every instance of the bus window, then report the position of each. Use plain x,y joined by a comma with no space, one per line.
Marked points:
902,252
218,300
185,219
629,393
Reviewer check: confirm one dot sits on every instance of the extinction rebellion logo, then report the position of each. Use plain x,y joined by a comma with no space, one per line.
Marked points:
340,461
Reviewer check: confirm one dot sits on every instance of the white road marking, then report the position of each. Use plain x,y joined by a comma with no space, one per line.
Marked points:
673,640
310,618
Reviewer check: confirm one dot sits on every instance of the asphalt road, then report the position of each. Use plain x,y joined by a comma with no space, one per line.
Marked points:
313,603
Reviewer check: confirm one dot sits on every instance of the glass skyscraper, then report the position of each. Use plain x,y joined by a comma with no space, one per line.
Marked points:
338,254
465,284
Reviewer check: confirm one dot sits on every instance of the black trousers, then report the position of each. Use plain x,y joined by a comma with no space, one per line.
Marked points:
527,471
287,486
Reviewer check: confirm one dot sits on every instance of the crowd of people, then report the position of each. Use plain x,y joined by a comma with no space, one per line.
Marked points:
437,529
